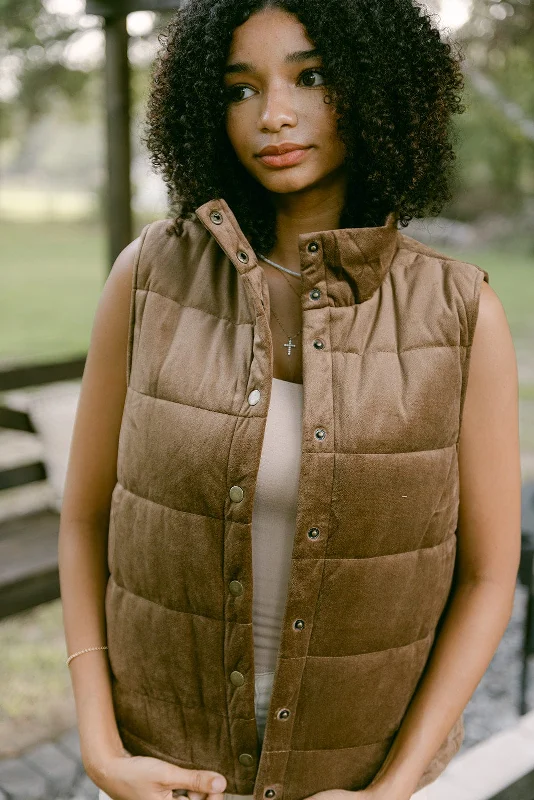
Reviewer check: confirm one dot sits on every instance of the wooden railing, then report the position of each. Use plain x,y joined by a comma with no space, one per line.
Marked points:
29,543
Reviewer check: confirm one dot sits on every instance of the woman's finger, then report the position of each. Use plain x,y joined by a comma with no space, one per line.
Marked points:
216,796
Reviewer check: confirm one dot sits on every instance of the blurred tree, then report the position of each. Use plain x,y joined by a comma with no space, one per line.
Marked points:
500,39
32,47
496,153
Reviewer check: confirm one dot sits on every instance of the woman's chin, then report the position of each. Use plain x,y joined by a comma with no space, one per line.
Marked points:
286,184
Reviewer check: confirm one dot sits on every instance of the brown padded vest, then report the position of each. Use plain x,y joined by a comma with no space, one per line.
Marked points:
386,339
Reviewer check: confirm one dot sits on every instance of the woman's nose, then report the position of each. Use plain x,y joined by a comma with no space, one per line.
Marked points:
277,110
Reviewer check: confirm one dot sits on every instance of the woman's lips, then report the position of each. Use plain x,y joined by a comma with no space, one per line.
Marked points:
285,159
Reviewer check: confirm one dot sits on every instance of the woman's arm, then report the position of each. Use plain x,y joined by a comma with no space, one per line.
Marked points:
489,549
83,534
83,565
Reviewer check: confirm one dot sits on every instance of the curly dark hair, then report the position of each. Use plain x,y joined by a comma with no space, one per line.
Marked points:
394,81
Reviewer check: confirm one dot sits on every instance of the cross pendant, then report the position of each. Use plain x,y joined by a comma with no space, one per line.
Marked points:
289,345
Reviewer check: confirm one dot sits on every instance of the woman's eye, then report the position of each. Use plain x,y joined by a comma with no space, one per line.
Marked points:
308,77
234,93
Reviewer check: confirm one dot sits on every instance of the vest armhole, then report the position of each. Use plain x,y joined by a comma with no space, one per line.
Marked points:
472,309
133,296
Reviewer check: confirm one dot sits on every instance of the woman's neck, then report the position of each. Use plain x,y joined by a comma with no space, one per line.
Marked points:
303,213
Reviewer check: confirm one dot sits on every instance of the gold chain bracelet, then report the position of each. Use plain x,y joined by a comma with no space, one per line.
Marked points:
87,650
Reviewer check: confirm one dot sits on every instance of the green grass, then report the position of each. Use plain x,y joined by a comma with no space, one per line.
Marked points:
32,659
52,275
36,699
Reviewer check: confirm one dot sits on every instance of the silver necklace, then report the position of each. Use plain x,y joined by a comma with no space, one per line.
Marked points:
289,344
279,266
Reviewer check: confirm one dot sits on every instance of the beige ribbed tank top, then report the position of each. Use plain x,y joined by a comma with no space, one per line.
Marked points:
274,518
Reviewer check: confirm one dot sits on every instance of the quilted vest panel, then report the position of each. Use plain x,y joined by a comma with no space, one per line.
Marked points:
387,330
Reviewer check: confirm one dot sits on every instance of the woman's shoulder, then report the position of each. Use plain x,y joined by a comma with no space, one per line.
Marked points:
172,229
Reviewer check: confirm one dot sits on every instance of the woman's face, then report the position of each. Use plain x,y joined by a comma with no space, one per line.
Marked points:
275,96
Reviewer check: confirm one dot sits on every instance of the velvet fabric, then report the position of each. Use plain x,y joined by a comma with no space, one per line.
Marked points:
387,330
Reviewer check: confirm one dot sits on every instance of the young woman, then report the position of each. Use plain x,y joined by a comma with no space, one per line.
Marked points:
284,315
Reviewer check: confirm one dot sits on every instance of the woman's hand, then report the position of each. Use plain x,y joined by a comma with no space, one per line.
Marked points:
128,777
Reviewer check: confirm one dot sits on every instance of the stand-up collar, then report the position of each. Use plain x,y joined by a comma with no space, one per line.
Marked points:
358,257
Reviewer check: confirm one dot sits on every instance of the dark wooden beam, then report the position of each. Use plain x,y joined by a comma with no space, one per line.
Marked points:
117,78
29,573
37,374
119,194
15,420
23,475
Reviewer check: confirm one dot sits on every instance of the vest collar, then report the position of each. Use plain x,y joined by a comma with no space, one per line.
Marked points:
359,257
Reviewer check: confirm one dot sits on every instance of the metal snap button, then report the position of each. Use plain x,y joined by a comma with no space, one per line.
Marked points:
313,533
236,587
254,397
313,247
284,713
237,678
315,294
298,624
269,793
246,759
216,217
242,256
236,494
320,433
318,344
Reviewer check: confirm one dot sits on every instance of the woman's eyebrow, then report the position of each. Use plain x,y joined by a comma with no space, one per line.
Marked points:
301,55
291,58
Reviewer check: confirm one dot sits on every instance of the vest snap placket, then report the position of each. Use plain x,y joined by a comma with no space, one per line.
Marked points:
236,494
236,588
237,678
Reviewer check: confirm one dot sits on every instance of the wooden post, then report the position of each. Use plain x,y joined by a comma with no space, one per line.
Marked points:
119,194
